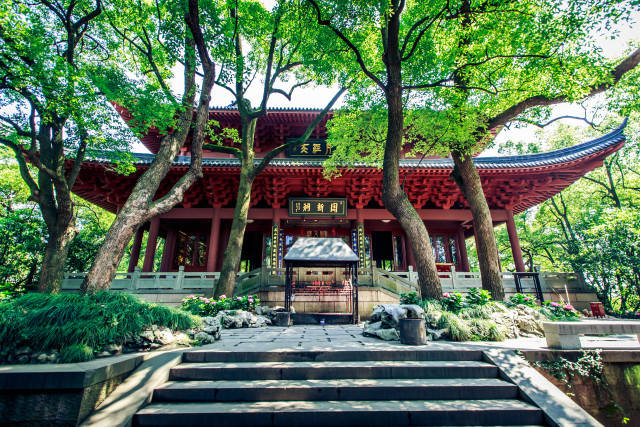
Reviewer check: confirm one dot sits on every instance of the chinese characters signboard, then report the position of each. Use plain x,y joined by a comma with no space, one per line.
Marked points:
310,148
299,206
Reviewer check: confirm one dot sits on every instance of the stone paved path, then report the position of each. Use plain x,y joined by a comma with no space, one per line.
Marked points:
311,337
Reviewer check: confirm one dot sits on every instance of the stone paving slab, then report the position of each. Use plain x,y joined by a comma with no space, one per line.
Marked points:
333,337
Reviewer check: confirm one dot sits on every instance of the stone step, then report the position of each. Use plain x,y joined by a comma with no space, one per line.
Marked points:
348,389
328,356
332,370
315,318
341,413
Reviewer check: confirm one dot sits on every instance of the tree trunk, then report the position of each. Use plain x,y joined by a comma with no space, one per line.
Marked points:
55,257
140,205
233,252
112,250
469,182
393,195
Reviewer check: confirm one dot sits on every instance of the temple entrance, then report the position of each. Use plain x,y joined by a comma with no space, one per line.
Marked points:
251,257
382,250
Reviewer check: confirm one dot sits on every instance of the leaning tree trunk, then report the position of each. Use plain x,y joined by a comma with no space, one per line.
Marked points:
394,197
113,248
233,252
467,178
140,205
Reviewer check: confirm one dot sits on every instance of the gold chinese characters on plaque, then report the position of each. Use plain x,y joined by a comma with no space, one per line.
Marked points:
314,207
317,148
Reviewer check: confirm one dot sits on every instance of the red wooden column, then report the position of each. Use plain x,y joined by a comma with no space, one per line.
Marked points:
150,253
135,250
462,250
515,243
214,240
169,250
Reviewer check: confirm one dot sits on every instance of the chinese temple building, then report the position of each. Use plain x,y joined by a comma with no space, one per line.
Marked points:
291,199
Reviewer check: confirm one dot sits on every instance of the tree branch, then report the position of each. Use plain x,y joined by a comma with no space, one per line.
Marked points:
273,153
628,64
420,34
24,169
352,47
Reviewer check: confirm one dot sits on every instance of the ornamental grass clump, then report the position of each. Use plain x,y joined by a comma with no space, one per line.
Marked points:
73,323
203,306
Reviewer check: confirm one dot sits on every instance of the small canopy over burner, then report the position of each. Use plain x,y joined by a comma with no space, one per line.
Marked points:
323,252
320,251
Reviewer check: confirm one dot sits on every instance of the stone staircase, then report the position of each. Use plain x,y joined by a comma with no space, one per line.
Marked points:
336,388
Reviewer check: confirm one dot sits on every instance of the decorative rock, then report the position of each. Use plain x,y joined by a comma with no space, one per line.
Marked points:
414,311
113,348
388,314
182,338
529,321
103,354
24,358
164,336
42,358
154,345
204,338
376,330
22,350
232,319
435,334
147,335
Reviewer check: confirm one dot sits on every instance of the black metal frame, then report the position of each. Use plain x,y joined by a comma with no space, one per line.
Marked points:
536,281
353,268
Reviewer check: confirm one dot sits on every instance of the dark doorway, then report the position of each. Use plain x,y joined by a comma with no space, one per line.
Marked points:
251,257
382,249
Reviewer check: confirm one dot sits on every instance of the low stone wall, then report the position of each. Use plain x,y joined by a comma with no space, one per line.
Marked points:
368,298
59,394
610,402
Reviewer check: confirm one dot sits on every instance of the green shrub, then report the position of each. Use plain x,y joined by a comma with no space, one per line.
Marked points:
56,321
452,302
76,353
559,311
522,299
410,298
204,306
477,297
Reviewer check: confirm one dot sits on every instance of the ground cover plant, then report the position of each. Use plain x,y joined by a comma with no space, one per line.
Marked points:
79,325
475,317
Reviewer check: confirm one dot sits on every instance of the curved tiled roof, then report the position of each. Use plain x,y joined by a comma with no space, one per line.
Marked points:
527,161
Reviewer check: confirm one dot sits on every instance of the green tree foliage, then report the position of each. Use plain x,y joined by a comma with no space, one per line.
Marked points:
457,65
52,114
23,233
591,228
282,47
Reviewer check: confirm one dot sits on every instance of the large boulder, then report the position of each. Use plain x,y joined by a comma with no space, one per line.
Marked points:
385,320
232,319
376,330
529,321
